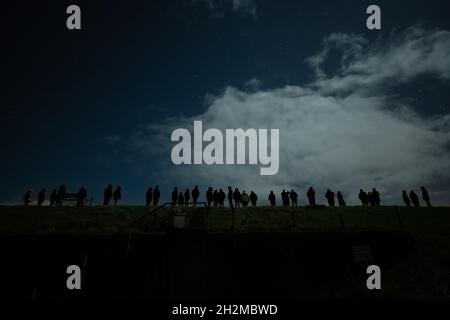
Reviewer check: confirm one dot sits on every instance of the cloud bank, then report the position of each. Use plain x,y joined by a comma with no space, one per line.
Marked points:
345,130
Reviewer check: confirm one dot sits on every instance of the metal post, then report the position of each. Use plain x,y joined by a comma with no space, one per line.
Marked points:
232,218
129,242
207,218
294,225
36,222
400,221
35,290
342,221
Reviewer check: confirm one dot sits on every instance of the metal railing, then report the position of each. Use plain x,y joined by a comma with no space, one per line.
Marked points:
171,215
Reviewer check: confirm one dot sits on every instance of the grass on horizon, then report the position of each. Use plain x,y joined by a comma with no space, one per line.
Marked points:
101,219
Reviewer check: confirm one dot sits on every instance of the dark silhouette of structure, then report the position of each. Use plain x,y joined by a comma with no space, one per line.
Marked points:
414,199
81,196
61,195
363,197
311,195
149,197
406,199
294,198
253,198
117,195
340,199
272,199
195,195
156,196
41,197
330,197
425,196
107,195
53,198
27,197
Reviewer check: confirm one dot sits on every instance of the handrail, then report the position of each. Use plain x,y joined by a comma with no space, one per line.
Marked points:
144,216
154,211
399,218
131,235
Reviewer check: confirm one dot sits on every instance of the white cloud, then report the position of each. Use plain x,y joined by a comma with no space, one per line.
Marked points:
413,53
344,131
253,84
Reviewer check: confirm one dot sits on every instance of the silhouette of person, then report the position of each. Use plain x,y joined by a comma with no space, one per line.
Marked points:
61,195
376,197
363,197
244,199
253,198
174,196
311,194
107,195
294,198
414,199
237,198
41,197
288,198
149,197
406,198
330,197
53,198
187,197
209,196
156,195
28,196
341,200
117,195
216,198
81,196
222,197
285,198
370,199
230,197
425,196
180,199
195,195
272,199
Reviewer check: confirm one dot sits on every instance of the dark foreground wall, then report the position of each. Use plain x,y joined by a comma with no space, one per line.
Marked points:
186,264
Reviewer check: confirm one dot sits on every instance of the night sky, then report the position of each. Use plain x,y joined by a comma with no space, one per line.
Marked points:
75,104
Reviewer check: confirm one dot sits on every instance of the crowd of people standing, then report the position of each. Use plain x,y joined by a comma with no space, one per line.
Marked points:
217,197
